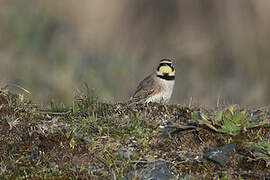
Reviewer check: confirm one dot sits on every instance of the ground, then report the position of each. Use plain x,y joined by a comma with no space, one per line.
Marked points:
96,140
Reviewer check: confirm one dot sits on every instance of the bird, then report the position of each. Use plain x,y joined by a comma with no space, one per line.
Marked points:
158,86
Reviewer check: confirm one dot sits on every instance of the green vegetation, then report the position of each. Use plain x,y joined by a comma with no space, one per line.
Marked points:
232,120
97,140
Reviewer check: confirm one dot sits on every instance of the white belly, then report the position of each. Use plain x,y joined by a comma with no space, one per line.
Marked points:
165,95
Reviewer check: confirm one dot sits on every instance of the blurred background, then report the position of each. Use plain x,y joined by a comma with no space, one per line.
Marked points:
220,48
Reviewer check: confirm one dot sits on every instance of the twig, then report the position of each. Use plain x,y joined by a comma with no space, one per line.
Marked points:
54,113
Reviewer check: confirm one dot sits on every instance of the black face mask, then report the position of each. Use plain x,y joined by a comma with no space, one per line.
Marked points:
166,76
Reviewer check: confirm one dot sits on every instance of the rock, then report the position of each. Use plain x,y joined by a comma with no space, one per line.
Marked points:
155,171
220,155
125,152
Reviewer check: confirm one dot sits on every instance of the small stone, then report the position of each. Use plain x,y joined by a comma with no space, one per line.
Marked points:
155,171
220,155
125,152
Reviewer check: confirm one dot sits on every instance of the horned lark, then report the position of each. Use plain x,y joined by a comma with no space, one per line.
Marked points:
158,86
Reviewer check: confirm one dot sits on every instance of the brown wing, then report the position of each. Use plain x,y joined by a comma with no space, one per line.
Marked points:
146,87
